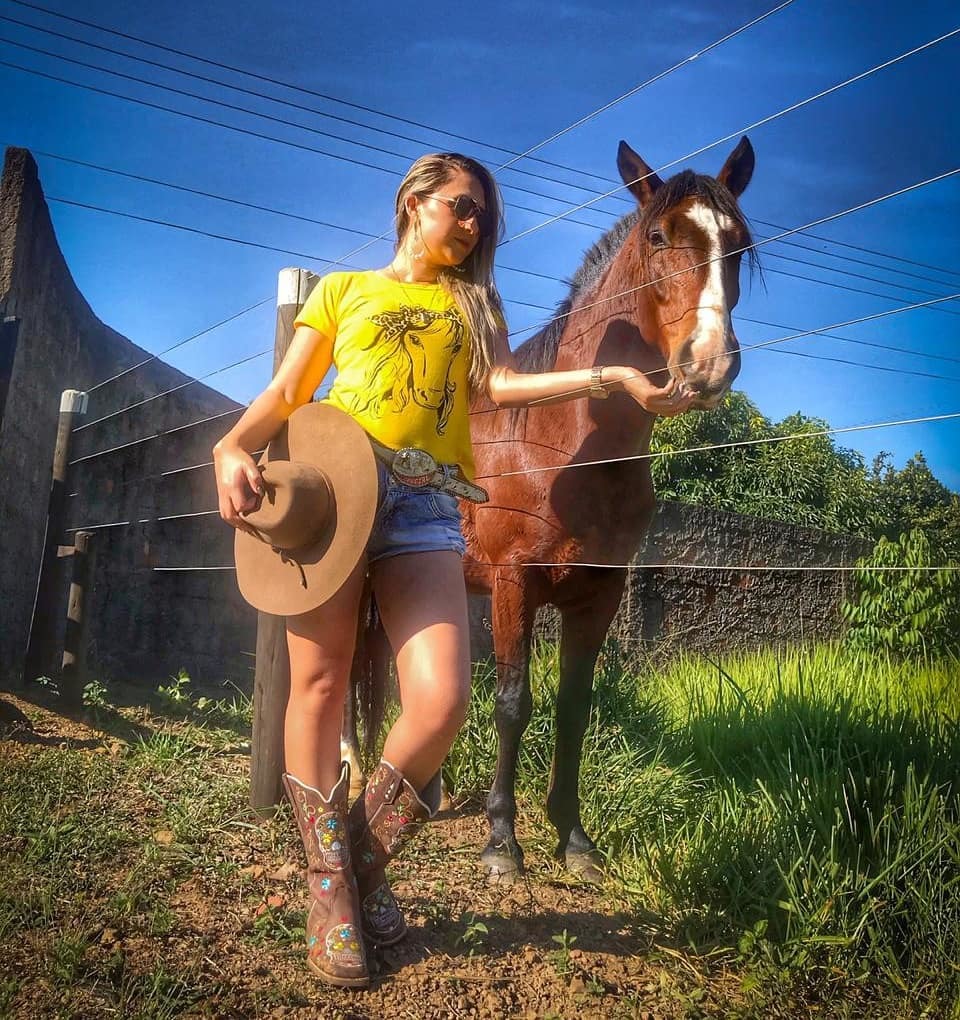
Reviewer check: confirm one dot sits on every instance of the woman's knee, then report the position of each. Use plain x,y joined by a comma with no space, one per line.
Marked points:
320,686
442,708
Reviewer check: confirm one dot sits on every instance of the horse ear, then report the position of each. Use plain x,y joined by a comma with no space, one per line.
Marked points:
738,169
637,176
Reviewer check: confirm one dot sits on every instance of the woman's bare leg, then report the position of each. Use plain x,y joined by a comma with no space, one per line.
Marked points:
422,601
321,645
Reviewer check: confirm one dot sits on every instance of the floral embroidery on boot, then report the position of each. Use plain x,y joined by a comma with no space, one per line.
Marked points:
334,948
387,813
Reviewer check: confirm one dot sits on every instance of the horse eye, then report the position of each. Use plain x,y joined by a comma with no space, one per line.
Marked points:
657,238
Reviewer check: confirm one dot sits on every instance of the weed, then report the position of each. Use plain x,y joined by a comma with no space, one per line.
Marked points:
95,695
158,995
48,684
280,927
474,934
806,797
8,992
66,955
177,693
561,957
162,920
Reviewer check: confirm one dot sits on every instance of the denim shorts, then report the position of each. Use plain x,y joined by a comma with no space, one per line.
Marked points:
410,520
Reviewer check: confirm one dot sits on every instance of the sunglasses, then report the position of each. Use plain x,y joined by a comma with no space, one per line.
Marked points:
464,208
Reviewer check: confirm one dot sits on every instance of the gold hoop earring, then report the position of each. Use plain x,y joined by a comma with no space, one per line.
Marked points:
416,254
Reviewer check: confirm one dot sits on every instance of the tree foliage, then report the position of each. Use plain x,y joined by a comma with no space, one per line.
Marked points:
902,605
914,498
810,481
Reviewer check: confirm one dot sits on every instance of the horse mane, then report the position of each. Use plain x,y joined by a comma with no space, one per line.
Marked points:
539,352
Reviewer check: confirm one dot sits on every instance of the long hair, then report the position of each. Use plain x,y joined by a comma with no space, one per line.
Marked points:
471,284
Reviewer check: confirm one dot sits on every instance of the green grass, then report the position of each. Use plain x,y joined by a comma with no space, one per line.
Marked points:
799,810
791,817
79,855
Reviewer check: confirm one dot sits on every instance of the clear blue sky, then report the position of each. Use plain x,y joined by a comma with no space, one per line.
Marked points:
513,74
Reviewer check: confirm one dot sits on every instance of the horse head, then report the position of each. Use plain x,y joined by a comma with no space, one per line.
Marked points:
688,240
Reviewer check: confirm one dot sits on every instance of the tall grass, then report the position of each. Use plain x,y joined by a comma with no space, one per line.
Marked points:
800,808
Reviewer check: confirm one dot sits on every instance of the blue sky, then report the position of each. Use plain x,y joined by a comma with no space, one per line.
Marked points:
513,74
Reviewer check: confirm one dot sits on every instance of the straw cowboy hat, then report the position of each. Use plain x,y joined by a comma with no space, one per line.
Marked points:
313,523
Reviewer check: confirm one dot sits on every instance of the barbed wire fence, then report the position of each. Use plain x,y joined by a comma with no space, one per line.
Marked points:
146,472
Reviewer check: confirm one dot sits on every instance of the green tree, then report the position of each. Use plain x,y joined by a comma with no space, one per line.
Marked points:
903,606
914,498
811,482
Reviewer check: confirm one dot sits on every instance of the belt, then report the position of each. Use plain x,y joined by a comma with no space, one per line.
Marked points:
418,468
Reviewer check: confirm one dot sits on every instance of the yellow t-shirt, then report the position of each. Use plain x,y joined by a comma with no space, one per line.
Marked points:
402,354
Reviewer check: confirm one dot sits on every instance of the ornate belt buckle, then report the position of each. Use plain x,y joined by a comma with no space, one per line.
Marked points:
414,467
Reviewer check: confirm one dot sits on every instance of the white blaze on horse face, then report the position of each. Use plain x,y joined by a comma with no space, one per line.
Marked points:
707,359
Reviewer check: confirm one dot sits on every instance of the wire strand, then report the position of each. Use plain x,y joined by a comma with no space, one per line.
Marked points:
746,248
759,123
265,116
653,566
139,59
298,88
366,109
868,251
850,340
156,435
179,343
644,84
766,440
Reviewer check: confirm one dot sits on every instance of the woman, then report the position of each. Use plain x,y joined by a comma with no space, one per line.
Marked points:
410,342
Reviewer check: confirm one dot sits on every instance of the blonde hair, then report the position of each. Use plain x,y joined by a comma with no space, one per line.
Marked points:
471,284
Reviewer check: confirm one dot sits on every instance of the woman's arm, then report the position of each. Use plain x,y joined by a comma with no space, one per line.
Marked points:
507,387
239,486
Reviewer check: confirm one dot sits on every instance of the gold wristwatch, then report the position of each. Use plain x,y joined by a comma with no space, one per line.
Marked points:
596,383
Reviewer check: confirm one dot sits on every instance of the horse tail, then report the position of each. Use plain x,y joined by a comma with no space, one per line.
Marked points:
370,672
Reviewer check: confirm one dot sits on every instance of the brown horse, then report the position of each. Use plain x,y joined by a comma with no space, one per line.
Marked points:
656,293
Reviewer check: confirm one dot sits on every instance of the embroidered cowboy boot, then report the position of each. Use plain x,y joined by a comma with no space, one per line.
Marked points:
381,820
334,944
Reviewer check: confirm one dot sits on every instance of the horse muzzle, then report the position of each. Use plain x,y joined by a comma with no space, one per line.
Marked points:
707,366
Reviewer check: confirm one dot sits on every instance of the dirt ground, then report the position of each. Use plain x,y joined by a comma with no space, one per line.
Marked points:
543,947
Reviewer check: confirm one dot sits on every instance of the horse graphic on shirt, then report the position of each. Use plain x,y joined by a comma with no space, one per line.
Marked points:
413,354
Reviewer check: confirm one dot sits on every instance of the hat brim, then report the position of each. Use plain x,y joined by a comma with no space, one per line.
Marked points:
327,437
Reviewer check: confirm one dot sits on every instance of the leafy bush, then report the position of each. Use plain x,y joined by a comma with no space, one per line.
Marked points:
811,482
908,608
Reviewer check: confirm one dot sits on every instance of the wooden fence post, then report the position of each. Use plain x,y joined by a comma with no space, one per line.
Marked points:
73,670
271,684
39,659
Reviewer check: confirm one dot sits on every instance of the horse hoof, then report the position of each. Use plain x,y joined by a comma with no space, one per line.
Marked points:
502,876
588,867
502,869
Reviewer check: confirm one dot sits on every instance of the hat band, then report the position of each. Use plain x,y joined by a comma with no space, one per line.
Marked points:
285,557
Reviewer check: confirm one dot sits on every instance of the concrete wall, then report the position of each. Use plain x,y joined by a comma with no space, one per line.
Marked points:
146,624
666,609
142,621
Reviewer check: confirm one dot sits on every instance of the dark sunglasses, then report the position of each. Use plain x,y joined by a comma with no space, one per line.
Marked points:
464,208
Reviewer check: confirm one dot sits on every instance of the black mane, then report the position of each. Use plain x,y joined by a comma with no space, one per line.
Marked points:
539,352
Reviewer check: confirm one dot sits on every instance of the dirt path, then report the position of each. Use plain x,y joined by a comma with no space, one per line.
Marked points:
543,947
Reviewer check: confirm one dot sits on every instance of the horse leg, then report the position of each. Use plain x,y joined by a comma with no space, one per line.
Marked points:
350,744
584,629
512,626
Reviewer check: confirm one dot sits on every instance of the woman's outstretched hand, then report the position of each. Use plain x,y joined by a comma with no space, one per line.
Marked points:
666,401
239,485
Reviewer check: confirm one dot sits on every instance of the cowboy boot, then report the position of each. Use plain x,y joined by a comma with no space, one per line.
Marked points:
335,949
381,820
